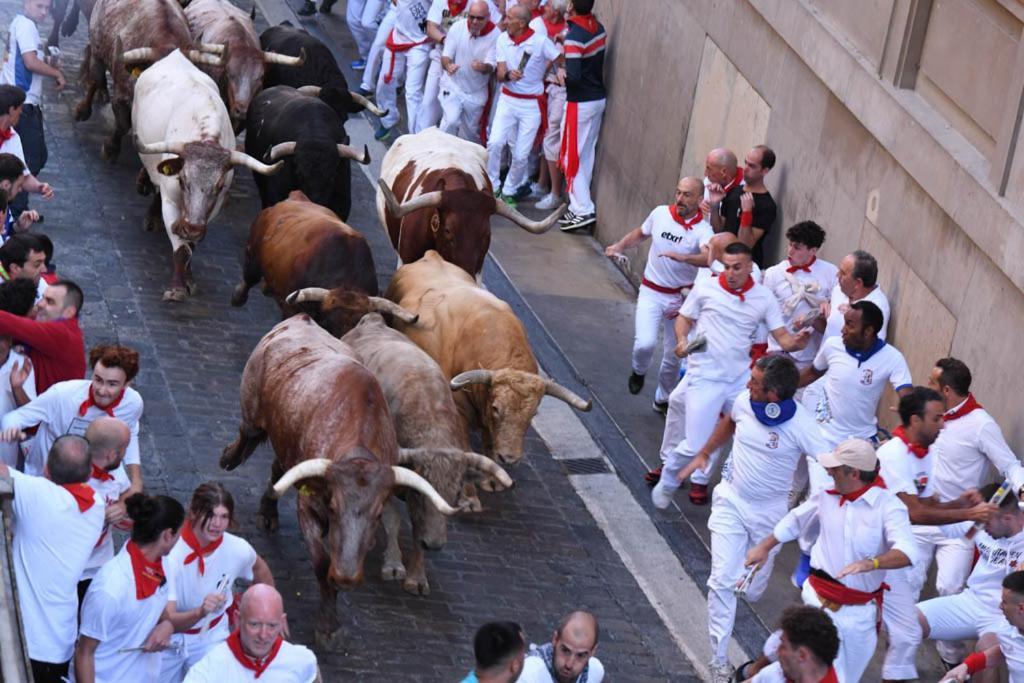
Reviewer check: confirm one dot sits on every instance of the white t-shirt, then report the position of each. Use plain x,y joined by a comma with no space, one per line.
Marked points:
110,491
536,671
1011,644
462,48
9,451
541,53
840,303
13,146
56,413
730,325
292,664
997,557
903,471
24,37
667,235
113,615
853,388
411,21
815,285
52,541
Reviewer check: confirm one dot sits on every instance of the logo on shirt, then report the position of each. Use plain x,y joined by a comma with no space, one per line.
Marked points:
867,376
921,483
671,238
773,440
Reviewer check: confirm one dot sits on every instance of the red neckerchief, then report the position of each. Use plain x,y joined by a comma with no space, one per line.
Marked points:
587,22
969,405
456,7
90,402
850,497
83,494
687,224
747,286
523,37
917,449
6,135
101,475
488,27
806,268
554,29
737,179
198,552
536,12
148,575
830,677
258,666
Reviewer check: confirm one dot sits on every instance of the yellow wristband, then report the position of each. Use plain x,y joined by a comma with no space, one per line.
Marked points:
874,563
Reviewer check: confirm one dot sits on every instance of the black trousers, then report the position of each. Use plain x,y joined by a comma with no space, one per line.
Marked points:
33,142
47,672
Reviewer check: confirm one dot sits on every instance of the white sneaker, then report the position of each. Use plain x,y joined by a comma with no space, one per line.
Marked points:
536,190
721,673
660,497
549,202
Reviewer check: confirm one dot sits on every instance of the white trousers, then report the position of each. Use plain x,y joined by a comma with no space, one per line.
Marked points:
460,115
959,617
736,526
552,144
373,57
588,125
362,17
857,635
174,665
954,559
899,614
656,311
409,67
703,402
430,108
516,122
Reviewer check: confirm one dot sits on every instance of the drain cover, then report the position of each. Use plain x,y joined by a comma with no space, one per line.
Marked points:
585,466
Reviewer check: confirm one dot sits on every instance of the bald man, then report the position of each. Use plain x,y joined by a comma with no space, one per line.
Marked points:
257,650
679,235
569,657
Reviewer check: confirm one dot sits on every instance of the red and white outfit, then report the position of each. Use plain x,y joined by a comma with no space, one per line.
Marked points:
521,105
751,498
109,486
444,13
584,109
551,145
55,529
840,304
773,674
800,290
465,96
9,451
228,663
196,575
68,408
662,287
123,605
854,527
406,60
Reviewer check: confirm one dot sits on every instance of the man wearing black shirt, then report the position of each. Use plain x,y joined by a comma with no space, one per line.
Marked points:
749,211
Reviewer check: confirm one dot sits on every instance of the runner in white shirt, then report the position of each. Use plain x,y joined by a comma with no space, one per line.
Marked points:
523,57
569,657
406,59
57,521
807,645
124,618
727,312
467,61
206,561
857,281
864,531
440,18
1009,649
69,407
108,440
257,650
770,434
679,236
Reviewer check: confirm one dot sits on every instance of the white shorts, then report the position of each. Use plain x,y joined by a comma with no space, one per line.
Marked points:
960,616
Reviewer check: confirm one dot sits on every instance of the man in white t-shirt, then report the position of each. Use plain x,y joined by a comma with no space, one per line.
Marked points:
679,235
857,280
569,657
467,61
108,440
406,60
58,520
523,57
440,17
257,650
1009,649
727,312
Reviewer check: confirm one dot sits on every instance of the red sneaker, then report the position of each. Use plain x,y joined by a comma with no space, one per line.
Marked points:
699,494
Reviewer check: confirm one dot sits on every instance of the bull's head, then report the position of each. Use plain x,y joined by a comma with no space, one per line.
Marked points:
203,170
339,310
316,164
357,488
447,471
511,398
343,102
245,70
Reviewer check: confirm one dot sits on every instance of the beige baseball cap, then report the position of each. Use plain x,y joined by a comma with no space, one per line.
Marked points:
856,453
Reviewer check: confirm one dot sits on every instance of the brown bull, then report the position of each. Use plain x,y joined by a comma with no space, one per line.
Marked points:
328,423
481,347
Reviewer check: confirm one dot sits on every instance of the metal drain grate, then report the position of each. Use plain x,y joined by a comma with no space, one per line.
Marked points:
585,466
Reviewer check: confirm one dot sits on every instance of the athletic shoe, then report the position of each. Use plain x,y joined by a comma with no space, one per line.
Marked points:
742,670
358,65
536,191
576,222
660,497
366,92
308,9
549,202
660,407
636,383
802,571
522,192
509,199
699,494
382,133
721,673
326,5
653,477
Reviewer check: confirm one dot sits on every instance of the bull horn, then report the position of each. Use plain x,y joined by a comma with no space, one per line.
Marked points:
197,57
283,149
215,48
535,227
471,377
311,90
427,200
243,159
408,478
309,294
317,467
346,152
367,104
484,464
163,147
382,305
556,390
139,54
286,60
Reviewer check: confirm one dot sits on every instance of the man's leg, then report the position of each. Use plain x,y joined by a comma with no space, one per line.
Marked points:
899,613
376,54
417,63
668,375
953,618
469,125
729,544
430,107
646,321
502,128
857,635
954,558
451,111
528,113
721,402
704,402
362,35
589,125
391,73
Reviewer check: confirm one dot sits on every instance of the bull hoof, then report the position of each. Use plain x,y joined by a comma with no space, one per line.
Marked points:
329,640
82,112
392,572
240,296
267,521
176,294
416,585
191,287
229,459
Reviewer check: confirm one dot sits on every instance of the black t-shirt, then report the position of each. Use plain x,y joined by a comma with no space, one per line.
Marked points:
764,216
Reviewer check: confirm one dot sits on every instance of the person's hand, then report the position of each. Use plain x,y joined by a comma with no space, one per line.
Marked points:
453,67
681,348
699,462
715,193
12,434
982,512
560,77
858,567
675,256
613,250
211,603
515,75
971,497
757,555
957,673
159,638
705,207
479,67
747,201
19,374
46,191
114,513
802,338
61,81
826,309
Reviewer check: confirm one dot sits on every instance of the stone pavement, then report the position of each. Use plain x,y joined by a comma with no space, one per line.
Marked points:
532,555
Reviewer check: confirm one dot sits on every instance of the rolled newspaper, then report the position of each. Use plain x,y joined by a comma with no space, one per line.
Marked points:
698,344
523,61
743,586
807,319
997,499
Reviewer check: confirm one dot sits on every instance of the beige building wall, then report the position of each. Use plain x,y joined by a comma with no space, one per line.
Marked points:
892,131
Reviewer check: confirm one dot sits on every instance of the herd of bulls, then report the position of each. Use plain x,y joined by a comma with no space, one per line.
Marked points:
357,411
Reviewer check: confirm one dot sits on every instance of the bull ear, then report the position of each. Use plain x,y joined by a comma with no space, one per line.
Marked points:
170,167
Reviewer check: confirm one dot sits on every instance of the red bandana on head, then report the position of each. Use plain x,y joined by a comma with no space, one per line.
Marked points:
522,37
100,474
917,449
747,286
850,497
148,575
587,22
198,551
688,224
91,401
806,267
257,666
82,493
969,405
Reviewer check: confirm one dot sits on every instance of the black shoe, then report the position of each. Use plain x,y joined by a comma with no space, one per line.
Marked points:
636,383
661,407
573,222
307,10
326,5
